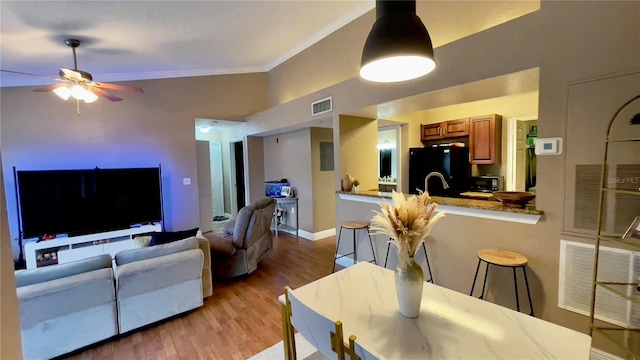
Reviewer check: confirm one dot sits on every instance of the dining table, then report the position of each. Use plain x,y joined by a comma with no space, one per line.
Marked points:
450,325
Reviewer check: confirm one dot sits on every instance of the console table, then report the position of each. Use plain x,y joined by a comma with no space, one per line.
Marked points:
451,325
290,223
74,248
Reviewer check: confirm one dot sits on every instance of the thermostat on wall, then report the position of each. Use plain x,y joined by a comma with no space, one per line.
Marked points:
548,146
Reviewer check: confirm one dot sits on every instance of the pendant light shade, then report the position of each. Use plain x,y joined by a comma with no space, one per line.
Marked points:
398,47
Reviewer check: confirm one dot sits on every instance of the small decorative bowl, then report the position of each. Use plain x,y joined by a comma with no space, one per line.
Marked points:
514,199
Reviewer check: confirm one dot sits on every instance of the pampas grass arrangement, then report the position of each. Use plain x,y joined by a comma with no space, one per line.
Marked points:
408,222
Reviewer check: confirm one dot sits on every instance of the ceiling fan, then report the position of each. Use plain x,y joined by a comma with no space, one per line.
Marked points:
79,84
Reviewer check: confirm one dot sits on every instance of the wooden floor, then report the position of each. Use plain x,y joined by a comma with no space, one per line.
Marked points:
239,320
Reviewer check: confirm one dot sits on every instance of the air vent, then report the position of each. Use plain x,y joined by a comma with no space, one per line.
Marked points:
322,106
576,275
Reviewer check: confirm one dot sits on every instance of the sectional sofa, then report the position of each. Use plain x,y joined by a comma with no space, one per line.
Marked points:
69,306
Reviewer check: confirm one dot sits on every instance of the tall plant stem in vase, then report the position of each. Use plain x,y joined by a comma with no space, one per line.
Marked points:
408,222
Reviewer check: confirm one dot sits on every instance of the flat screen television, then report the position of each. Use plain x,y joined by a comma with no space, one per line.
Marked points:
78,202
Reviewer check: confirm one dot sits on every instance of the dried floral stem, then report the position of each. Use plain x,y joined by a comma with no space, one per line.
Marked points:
408,222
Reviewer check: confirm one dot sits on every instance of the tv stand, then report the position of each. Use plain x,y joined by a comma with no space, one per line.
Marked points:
67,249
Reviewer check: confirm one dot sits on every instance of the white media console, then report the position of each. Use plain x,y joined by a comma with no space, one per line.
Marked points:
67,249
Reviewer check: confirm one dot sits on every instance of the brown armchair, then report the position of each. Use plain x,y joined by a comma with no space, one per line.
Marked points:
237,250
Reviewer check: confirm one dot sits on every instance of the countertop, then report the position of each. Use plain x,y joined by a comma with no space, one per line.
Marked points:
451,325
459,202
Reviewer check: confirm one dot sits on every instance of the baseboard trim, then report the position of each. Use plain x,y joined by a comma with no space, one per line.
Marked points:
317,235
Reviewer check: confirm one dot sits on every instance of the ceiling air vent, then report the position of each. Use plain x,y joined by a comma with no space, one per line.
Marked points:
321,106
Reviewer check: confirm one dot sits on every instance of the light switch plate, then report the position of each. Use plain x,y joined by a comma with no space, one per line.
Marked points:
548,146
186,181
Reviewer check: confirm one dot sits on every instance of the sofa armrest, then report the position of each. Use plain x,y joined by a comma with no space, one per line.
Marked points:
207,278
51,299
143,276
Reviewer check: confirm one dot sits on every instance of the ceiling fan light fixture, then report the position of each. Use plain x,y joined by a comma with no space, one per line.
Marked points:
77,91
63,92
89,96
398,47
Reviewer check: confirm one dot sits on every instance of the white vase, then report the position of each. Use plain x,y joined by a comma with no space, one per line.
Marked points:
409,280
356,188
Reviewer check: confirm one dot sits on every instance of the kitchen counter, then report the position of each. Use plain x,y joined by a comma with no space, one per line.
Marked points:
458,206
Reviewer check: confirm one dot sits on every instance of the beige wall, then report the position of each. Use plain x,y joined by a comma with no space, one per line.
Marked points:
324,206
40,131
254,169
358,149
9,317
559,40
288,156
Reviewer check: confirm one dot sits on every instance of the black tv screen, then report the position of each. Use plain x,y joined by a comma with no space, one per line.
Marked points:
77,202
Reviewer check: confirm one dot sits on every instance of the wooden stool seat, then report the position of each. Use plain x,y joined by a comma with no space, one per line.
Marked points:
502,257
355,225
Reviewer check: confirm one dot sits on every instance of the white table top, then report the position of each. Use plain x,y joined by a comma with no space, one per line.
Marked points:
451,325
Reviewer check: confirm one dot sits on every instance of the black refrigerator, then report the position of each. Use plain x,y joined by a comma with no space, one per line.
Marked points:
450,161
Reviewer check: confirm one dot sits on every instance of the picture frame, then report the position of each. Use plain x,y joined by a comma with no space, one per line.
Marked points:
286,191
633,232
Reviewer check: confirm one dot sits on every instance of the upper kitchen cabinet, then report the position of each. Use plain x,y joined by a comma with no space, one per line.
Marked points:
445,129
485,139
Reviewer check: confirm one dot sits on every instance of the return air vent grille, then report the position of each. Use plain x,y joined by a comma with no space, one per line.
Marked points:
322,106
575,281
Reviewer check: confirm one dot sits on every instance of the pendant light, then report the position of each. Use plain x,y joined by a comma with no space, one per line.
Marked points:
398,47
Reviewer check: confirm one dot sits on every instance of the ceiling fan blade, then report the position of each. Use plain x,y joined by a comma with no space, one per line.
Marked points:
49,88
104,94
118,87
24,73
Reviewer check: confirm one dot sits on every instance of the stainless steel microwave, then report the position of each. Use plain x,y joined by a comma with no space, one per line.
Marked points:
486,183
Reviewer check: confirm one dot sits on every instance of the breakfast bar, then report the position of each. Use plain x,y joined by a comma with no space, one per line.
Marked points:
451,325
458,206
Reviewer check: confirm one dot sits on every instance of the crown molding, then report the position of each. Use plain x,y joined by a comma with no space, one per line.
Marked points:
354,14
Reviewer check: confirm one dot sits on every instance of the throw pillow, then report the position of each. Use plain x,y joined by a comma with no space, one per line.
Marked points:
141,241
166,237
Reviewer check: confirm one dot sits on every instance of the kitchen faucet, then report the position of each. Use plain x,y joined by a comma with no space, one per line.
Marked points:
435,173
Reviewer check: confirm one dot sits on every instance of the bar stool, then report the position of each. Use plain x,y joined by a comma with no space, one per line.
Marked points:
425,256
506,259
355,226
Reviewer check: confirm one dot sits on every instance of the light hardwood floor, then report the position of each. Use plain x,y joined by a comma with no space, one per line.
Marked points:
239,320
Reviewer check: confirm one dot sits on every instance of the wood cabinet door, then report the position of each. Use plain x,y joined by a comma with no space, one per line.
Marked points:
431,131
485,138
456,128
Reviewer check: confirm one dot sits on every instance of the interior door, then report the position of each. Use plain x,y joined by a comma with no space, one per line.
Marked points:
521,155
204,186
217,194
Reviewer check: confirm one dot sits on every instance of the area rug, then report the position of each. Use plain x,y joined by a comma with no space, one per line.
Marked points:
304,350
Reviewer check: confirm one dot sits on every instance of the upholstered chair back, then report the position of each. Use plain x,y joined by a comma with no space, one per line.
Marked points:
253,222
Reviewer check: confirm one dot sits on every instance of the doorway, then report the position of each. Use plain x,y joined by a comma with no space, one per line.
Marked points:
237,175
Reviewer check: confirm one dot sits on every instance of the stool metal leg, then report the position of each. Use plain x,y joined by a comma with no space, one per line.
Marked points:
486,275
515,283
424,247
335,256
475,277
355,248
387,257
373,252
524,270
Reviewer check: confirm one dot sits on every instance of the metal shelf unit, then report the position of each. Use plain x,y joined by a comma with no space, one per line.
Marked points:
289,221
622,149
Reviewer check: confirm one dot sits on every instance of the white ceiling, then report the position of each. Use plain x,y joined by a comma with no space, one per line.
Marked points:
132,40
